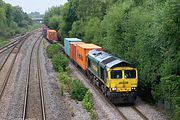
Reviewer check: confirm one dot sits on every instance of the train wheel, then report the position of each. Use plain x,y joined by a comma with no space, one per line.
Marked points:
89,75
94,81
103,89
107,94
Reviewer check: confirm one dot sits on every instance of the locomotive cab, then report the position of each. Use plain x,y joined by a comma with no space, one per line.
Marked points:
115,77
123,79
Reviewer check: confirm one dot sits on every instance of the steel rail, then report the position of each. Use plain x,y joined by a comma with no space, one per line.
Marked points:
7,57
11,44
40,84
139,113
10,70
22,39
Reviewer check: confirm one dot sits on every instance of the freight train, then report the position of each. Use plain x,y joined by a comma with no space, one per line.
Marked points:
116,78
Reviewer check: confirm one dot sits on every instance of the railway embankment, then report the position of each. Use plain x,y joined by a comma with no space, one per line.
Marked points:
76,94
102,106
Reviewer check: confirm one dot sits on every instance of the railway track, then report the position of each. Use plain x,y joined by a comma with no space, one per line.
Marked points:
118,109
139,112
8,63
10,47
135,113
34,107
14,43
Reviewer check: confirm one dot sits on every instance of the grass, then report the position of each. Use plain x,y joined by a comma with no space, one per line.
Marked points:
3,42
53,50
34,26
87,104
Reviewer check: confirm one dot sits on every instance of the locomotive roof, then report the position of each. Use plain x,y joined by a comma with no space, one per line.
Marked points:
107,60
99,55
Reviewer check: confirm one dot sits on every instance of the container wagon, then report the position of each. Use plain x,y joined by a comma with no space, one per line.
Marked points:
73,50
81,52
52,35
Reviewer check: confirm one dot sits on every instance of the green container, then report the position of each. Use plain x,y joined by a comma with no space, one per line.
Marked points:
67,44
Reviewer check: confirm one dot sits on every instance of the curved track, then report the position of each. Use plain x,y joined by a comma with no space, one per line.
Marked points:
11,47
12,44
34,107
8,63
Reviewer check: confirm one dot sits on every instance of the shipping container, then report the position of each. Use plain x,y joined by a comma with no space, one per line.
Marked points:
73,49
81,52
67,44
52,35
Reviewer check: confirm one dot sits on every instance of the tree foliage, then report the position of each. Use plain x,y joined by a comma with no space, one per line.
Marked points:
143,32
12,20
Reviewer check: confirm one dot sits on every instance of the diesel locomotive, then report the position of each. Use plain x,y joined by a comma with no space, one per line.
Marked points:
116,77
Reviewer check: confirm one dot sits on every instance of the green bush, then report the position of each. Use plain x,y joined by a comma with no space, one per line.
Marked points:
53,50
168,91
59,62
66,80
93,115
87,101
3,41
75,87
78,90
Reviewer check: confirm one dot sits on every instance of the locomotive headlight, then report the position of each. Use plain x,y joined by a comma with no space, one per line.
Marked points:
133,88
114,89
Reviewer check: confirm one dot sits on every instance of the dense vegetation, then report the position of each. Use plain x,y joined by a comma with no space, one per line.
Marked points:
12,20
144,32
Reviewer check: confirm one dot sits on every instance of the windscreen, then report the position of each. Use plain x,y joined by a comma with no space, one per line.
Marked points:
116,74
130,74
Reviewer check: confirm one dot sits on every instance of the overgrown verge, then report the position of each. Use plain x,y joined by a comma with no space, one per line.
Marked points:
2,41
73,86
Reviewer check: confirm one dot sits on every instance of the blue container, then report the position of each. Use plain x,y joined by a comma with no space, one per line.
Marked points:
45,32
67,44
